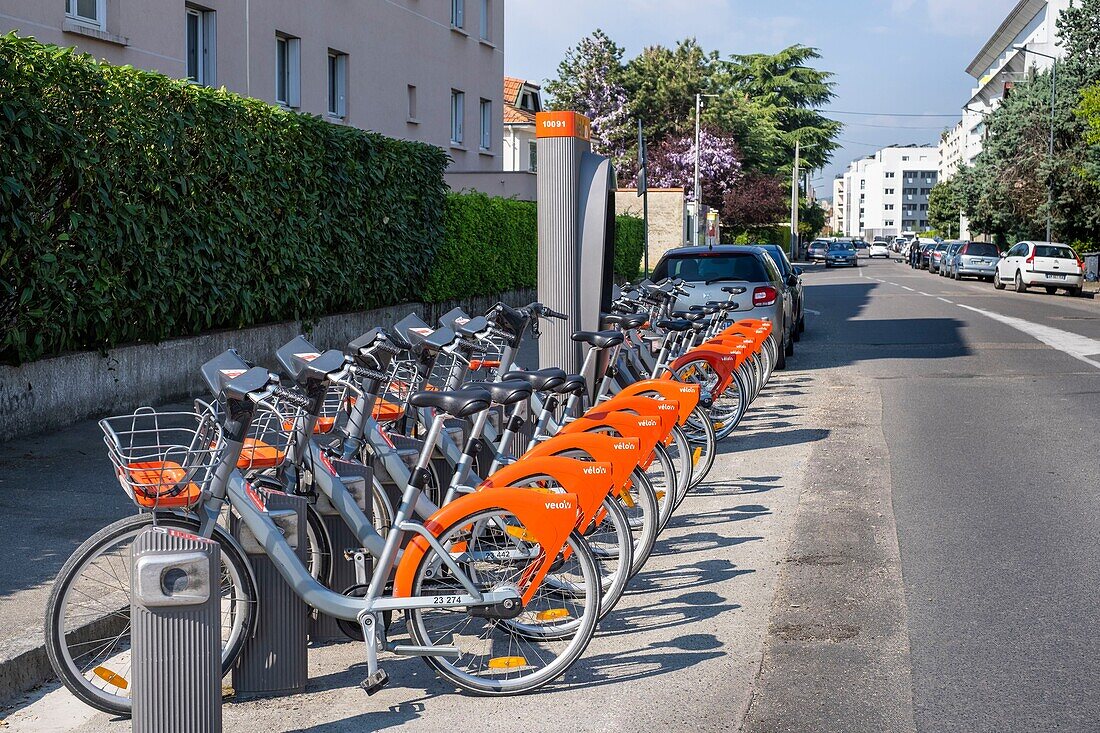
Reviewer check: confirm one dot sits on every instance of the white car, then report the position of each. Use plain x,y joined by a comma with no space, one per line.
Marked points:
879,249
1043,264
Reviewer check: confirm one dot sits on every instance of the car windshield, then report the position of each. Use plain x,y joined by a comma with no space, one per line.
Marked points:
817,245
982,249
777,254
713,267
841,246
941,246
1059,253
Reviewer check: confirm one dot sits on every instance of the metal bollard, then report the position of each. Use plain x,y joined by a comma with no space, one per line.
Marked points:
357,478
274,660
175,612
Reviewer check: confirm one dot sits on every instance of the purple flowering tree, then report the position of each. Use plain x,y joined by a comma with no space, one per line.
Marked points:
590,82
672,165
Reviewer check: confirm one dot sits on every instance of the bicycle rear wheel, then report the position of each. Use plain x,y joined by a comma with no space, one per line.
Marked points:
506,656
88,612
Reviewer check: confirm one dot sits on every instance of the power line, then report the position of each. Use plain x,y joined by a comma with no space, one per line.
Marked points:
884,114
896,127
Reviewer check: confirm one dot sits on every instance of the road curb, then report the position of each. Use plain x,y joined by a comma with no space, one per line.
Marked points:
24,672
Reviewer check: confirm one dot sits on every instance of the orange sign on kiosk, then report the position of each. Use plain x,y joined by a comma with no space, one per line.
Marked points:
563,124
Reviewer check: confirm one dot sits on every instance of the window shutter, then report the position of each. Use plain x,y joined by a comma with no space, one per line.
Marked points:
294,64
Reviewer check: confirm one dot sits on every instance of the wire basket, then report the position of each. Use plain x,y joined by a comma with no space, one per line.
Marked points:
163,459
338,401
404,379
270,434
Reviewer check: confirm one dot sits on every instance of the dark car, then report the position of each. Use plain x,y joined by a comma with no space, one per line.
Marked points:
842,253
767,295
926,255
793,276
936,255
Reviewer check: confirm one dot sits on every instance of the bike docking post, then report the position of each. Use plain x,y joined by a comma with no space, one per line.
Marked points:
343,573
576,234
175,612
274,661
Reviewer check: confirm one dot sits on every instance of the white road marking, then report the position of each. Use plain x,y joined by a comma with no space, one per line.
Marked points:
811,310
945,300
1075,345
927,295
906,287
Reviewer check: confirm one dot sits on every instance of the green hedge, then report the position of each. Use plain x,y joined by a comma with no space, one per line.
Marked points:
490,246
134,207
629,247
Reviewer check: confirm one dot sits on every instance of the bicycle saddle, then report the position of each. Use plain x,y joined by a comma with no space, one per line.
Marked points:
709,310
690,316
599,339
541,379
508,392
574,383
676,324
626,321
734,290
457,403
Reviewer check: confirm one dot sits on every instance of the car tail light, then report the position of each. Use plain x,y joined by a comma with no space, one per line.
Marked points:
764,296
1080,262
1031,259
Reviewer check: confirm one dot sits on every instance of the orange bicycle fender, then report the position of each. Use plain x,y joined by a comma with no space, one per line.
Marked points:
549,518
667,411
590,481
686,394
623,454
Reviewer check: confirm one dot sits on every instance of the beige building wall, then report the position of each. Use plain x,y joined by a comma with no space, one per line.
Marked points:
667,217
390,45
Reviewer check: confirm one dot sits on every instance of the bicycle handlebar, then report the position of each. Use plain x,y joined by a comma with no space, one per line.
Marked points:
297,399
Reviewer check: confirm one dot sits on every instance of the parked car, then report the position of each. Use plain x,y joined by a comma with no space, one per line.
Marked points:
1046,264
879,249
935,254
817,249
977,259
842,253
948,259
767,295
924,257
793,276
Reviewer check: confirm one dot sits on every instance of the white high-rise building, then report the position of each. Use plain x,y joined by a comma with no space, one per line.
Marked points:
886,194
836,221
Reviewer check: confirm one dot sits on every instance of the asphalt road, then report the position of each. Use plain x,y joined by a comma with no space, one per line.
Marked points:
990,412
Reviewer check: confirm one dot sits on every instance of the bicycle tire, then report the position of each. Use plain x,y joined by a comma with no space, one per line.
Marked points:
56,645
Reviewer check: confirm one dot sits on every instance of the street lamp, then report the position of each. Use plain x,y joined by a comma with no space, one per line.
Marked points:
1050,148
794,197
698,192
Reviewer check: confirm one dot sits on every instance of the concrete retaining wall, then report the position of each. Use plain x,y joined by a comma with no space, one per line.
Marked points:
51,393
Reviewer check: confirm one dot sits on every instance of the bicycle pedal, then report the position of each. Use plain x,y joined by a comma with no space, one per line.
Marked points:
375,682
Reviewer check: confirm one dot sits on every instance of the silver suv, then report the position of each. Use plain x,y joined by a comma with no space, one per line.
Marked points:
767,295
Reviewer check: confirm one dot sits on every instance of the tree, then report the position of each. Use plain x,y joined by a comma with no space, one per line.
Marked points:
784,83
672,164
944,206
590,81
758,200
662,83
1079,33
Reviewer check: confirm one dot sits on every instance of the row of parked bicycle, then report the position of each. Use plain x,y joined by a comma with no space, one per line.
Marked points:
1049,265
525,500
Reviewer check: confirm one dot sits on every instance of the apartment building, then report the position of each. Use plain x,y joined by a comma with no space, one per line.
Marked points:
887,193
1031,26
836,219
428,70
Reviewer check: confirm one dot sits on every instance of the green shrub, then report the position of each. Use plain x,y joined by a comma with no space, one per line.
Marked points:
490,245
629,246
134,207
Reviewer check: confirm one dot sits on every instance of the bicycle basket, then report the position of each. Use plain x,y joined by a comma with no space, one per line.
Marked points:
269,434
163,459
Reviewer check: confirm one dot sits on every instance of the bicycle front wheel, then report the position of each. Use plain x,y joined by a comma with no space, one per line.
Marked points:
88,612
506,656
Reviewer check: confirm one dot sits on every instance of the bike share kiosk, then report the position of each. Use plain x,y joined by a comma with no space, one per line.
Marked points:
576,223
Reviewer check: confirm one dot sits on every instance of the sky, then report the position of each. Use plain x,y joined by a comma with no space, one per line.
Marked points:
890,57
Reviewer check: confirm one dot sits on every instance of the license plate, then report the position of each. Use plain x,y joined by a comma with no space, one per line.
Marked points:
1056,277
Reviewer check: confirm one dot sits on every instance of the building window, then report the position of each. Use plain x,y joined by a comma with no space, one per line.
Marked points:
862,185
486,19
458,13
486,141
412,104
888,207
337,84
458,112
904,158
888,222
888,191
533,156
889,174
201,46
288,70
89,12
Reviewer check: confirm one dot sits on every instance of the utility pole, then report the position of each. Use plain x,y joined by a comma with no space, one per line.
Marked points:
794,201
643,191
1050,144
698,195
